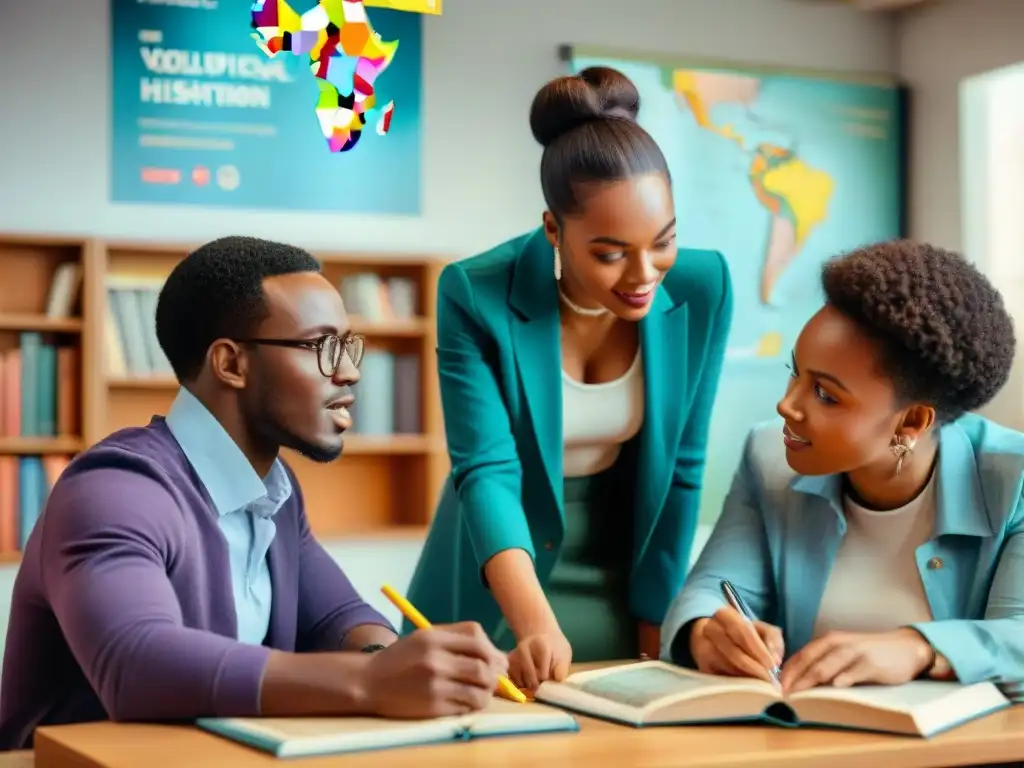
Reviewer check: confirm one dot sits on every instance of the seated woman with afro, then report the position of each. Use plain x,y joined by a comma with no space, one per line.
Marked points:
877,530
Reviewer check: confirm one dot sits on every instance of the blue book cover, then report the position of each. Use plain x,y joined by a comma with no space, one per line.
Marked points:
374,409
32,488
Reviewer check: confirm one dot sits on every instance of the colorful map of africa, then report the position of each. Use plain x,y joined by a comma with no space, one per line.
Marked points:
796,195
345,55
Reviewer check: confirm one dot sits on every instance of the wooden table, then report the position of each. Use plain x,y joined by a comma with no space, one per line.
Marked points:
998,738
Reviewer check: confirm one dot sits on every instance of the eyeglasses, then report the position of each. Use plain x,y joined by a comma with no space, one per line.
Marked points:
330,349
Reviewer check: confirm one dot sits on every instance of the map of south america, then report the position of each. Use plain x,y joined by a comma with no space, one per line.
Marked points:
795,195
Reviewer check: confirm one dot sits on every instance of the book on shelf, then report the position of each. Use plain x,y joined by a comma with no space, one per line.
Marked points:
130,342
388,395
38,399
304,737
39,388
656,693
25,484
64,290
375,298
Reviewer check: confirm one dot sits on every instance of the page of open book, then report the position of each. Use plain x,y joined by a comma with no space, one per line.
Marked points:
898,698
649,684
503,715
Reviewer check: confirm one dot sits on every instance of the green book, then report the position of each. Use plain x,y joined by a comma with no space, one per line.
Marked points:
656,693
30,342
46,383
305,736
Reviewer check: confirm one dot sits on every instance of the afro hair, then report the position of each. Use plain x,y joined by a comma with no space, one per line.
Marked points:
946,337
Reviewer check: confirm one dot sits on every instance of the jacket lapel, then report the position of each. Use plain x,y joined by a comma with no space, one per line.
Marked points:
536,338
811,542
663,340
960,511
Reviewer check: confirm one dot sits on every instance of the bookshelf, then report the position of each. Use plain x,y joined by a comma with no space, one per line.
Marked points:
42,341
385,483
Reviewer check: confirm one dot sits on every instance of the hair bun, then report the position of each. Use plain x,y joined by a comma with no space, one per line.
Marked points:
595,93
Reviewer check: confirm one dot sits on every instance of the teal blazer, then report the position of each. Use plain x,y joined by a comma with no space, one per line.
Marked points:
499,363
779,533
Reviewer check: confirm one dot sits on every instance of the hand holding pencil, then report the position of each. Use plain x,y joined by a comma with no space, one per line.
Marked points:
470,630
450,670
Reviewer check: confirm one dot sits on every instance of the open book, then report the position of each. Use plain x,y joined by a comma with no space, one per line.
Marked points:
655,693
304,736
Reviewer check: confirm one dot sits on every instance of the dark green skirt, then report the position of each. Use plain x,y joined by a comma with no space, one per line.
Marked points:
589,587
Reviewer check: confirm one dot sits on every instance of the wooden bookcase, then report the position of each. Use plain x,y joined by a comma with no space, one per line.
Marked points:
381,485
27,268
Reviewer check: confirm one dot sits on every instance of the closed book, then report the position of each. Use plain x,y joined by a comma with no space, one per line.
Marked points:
407,395
374,408
30,342
304,737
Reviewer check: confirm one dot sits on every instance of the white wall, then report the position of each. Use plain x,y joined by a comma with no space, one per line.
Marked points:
938,46
484,60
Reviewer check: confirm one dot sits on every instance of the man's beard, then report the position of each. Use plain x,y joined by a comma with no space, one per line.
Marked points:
319,453
270,432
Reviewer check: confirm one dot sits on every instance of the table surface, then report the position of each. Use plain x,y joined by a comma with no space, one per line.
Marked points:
998,738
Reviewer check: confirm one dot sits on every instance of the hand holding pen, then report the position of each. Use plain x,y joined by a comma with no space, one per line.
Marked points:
734,642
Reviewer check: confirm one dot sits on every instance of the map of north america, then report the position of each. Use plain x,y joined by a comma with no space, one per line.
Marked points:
795,194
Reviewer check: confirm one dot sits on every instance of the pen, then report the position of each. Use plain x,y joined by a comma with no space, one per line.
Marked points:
506,686
737,602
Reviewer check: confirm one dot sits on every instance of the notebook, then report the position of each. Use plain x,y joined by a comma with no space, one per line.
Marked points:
656,693
305,736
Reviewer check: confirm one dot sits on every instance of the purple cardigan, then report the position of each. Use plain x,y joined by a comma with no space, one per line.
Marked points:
123,606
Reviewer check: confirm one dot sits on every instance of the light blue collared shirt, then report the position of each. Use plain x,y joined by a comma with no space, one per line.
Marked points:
244,503
779,534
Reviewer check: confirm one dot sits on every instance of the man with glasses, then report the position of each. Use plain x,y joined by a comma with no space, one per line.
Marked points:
173,574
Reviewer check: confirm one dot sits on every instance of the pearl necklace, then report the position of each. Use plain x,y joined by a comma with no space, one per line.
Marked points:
594,312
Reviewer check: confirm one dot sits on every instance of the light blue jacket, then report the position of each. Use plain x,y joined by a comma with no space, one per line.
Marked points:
499,362
779,533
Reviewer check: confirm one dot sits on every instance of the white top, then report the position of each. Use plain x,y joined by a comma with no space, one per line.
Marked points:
598,418
875,584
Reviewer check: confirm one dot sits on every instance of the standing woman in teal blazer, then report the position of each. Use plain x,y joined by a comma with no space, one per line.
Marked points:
578,366
877,532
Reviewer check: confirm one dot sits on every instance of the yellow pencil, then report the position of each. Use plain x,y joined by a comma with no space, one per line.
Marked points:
506,686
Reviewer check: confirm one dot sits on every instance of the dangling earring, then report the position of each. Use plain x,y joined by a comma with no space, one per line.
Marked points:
901,447
558,264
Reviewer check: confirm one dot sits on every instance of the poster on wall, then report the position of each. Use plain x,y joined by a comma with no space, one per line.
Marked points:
778,171
202,115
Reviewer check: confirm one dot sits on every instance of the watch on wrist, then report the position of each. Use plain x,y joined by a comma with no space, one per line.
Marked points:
373,648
